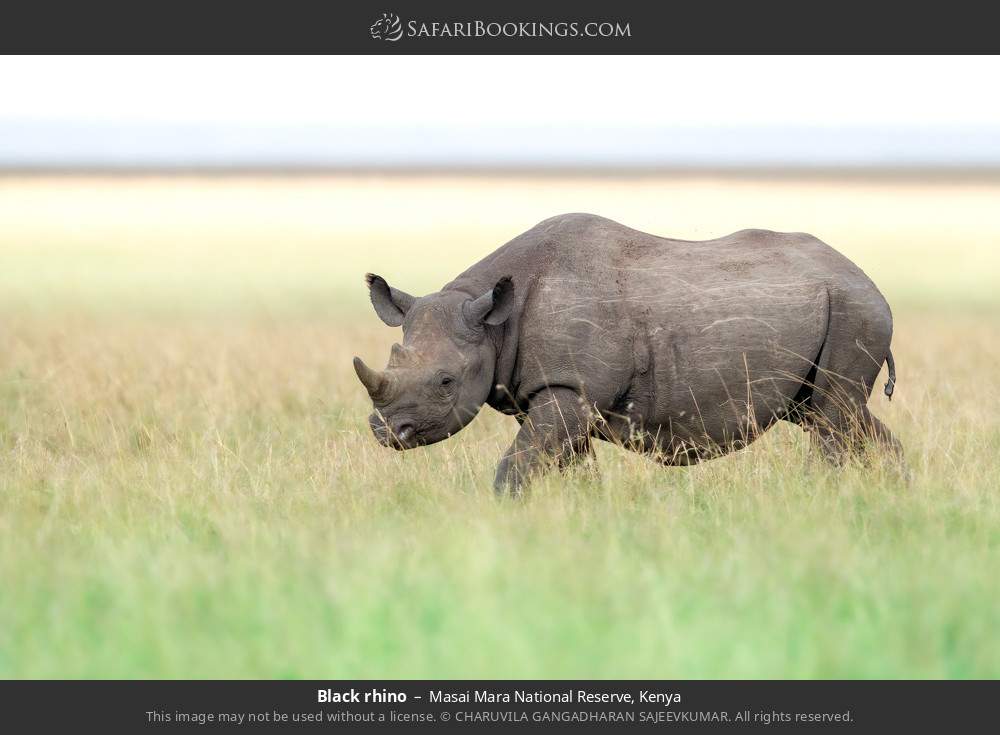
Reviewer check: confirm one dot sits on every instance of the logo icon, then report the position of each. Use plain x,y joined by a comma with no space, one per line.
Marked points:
387,28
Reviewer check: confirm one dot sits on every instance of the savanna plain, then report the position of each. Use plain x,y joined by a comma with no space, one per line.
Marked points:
188,487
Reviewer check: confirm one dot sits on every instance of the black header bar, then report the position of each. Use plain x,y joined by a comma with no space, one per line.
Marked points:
512,27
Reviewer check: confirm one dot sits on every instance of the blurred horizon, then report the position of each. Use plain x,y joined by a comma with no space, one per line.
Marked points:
70,145
578,113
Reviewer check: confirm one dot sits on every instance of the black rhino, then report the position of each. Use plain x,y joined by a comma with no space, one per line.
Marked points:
583,328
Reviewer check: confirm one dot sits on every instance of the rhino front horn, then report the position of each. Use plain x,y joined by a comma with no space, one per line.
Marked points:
372,380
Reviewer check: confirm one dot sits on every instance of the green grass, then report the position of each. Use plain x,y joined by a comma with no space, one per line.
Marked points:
193,492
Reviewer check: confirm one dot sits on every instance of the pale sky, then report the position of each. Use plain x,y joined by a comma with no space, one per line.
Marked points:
416,93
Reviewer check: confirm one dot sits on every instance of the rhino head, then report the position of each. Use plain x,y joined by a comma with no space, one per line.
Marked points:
443,372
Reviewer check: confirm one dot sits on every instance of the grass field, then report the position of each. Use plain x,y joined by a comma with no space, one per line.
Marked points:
188,487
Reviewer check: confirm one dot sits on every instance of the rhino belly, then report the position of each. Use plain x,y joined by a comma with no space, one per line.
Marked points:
725,374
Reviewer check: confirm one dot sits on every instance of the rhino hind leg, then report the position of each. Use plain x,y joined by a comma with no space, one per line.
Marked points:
835,412
843,435
555,433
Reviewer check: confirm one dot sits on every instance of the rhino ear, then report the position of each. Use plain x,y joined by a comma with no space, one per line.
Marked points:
494,307
390,303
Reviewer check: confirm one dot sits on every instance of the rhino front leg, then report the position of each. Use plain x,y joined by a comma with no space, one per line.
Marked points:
555,432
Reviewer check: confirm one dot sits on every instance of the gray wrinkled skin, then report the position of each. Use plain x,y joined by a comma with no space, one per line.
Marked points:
583,328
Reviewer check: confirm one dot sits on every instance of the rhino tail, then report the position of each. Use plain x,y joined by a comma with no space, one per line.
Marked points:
891,383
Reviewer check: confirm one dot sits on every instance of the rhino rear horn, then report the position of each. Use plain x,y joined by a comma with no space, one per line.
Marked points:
372,380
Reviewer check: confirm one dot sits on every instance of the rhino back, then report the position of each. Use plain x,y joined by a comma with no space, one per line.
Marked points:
701,334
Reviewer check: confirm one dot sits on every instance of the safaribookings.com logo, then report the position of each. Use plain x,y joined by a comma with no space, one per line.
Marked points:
387,28
390,28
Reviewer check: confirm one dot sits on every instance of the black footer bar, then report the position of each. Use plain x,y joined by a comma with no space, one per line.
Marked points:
130,706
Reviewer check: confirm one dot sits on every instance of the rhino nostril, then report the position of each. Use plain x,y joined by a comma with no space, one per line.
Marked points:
404,432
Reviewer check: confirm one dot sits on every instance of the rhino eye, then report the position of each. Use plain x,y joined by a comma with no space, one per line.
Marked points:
446,381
